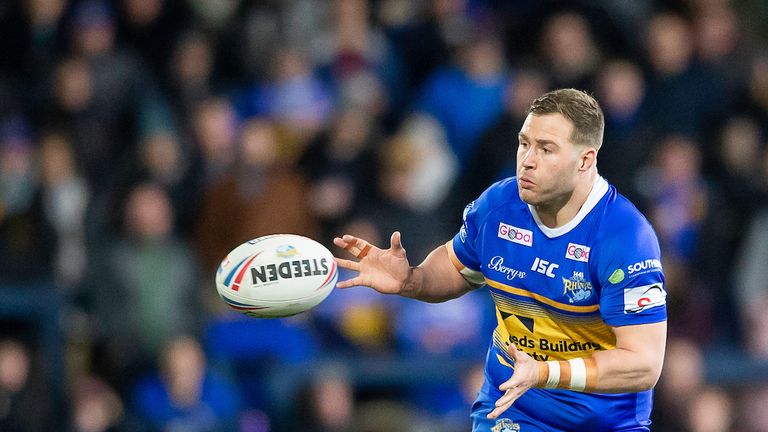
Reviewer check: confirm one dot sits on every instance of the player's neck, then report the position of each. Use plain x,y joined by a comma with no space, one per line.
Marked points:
562,210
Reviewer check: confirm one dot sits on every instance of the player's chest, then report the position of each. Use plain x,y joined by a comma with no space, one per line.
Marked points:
524,258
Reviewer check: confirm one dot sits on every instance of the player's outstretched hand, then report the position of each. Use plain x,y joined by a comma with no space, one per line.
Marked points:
526,375
385,270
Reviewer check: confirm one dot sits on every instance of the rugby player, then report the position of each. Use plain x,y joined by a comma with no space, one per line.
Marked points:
574,270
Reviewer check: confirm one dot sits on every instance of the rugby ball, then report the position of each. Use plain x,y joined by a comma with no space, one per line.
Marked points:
276,276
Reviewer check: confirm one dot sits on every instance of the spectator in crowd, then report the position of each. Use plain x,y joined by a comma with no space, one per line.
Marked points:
752,412
721,44
681,380
294,99
622,91
330,402
23,407
149,28
569,51
150,272
679,202
184,394
190,72
751,285
162,158
735,198
711,410
340,165
680,91
66,196
30,38
96,407
466,98
214,127
27,240
416,172
260,195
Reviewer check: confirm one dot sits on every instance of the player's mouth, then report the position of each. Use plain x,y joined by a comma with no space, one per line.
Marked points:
525,182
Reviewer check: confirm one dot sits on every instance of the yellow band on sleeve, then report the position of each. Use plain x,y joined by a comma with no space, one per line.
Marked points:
474,277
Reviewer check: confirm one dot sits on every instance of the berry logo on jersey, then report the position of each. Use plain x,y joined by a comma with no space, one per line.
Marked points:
577,288
505,425
577,252
515,234
497,264
638,299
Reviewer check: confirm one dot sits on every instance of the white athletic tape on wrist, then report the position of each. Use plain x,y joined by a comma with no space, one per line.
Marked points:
554,374
578,374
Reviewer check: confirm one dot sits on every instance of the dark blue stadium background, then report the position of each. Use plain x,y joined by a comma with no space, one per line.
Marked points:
141,140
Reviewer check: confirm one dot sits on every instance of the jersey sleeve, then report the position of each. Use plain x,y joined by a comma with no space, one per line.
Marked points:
631,276
463,248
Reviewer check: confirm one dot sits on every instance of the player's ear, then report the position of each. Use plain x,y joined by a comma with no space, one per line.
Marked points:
587,159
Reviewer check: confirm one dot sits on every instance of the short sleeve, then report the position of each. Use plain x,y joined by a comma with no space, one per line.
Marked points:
463,248
631,276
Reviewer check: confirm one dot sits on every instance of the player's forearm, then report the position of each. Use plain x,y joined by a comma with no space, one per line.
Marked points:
630,367
435,280
620,370
612,371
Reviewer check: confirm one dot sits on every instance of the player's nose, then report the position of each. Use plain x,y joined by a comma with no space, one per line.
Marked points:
527,160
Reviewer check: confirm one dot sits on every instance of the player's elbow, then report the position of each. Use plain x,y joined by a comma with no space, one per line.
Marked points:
649,376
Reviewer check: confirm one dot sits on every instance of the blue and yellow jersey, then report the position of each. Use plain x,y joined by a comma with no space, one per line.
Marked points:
559,291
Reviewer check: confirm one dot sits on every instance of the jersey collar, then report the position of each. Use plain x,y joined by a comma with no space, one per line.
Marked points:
599,188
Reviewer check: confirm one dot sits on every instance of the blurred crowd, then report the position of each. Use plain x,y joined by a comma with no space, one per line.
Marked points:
141,140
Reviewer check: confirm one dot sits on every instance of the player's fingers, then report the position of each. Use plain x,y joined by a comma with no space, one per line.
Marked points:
509,384
364,251
349,283
338,241
504,402
498,410
396,244
348,264
508,397
346,241
356,246
513,351
351,240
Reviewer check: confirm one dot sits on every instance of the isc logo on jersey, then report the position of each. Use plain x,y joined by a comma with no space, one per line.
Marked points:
515,234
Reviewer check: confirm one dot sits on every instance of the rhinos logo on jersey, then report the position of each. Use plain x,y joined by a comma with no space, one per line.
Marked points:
505,425
576,288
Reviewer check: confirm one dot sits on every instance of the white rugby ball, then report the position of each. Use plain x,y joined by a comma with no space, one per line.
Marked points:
276,276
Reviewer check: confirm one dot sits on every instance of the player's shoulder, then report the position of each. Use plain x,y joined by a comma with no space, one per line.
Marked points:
504,190
621,219
621,215
503,193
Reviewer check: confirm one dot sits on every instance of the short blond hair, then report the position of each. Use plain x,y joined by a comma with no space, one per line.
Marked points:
577,106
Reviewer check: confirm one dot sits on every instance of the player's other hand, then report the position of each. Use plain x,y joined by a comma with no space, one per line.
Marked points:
385,270
526,375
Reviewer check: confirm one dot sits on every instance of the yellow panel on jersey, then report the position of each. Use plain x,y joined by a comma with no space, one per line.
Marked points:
544,336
